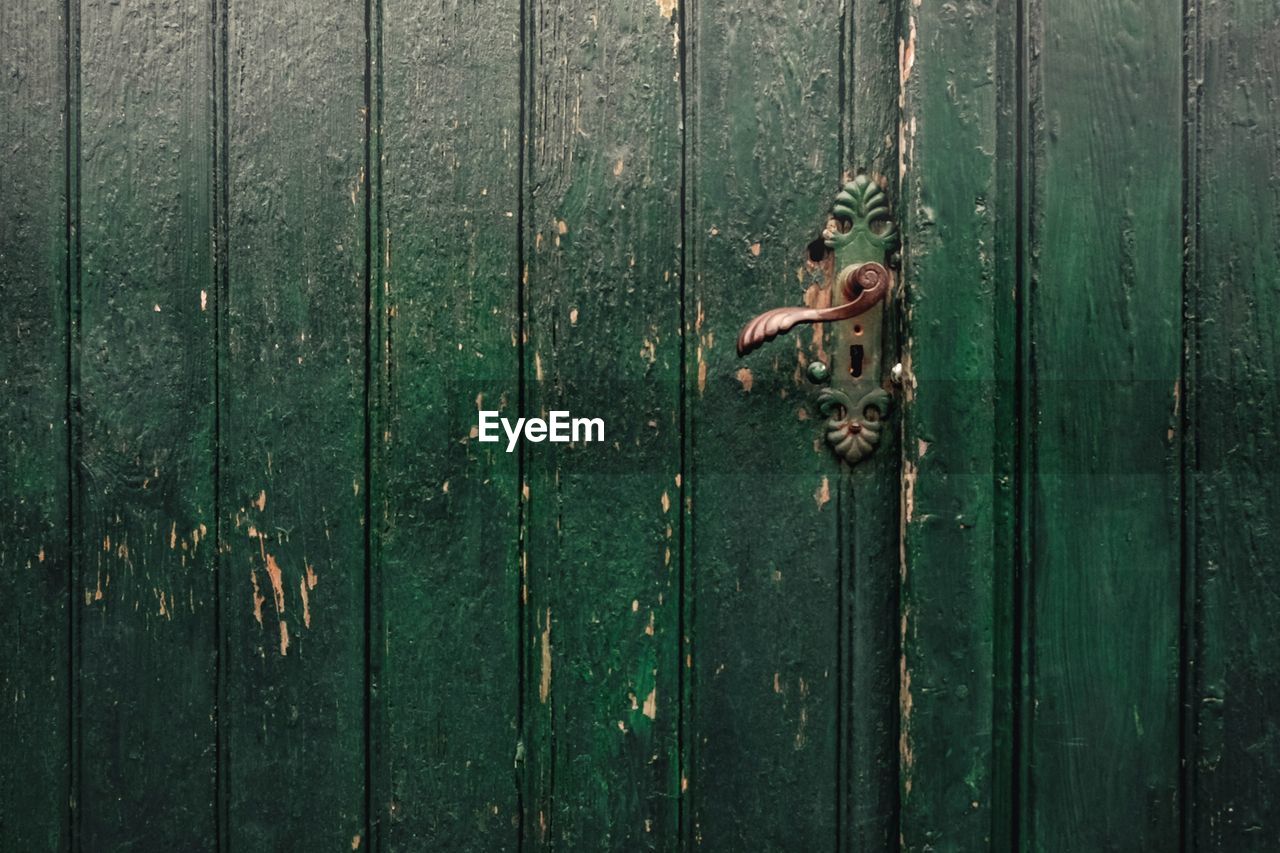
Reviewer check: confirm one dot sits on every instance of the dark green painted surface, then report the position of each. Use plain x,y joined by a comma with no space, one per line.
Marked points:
143,389
447,509
1233,783
953,533
293,432
35,552
1103,509
763,548
600,555
263,588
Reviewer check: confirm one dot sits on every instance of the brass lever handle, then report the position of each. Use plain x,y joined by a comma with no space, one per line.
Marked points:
863,286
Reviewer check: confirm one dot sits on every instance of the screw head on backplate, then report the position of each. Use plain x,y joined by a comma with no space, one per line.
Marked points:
819,372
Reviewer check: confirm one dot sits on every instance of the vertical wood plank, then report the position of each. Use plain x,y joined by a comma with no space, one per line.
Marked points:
959,291
1236,408
602,297
145,595
764,162
449,505
867,790
34,554
1104,317
293,439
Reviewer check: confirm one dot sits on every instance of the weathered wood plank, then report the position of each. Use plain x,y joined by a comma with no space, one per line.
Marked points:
145,596
35,563
959,297
1236,408
293,439
1103,515
602,293
867,790
764,162
447,504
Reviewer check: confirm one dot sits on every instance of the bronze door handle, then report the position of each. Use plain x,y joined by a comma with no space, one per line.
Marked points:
863,286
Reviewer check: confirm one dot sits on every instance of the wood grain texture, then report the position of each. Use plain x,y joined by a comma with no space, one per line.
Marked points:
953,529
764,162
867,788
601,521
293,430
1236,793
1104,323
448,504
35,562
145,595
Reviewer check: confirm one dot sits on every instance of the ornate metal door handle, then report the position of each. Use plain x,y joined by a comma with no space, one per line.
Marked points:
855,403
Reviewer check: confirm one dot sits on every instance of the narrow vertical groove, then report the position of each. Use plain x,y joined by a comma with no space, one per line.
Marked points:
71,35
373,377
522,404
1006,323
844,560
844,549
1189,604
221,232
683,648
1022,831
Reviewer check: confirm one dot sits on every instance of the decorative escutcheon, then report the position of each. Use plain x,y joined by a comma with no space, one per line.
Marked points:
855,402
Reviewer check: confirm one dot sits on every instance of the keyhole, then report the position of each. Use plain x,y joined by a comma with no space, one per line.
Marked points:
855,360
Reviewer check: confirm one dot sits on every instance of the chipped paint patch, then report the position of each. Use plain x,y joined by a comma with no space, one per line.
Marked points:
650,708
908,50
667,8
823,494
908,490
745,378
666,502
284,638
258,597
905,702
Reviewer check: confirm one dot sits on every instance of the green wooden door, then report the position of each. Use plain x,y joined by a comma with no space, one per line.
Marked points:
263,587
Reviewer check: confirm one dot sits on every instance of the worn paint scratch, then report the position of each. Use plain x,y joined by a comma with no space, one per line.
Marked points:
277,582
306,602
544,687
